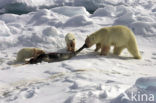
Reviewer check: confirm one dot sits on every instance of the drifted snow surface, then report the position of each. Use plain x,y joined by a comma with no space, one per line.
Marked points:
87,77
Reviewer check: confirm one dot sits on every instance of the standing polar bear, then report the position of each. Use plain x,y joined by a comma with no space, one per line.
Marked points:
26,53
119,36
70,42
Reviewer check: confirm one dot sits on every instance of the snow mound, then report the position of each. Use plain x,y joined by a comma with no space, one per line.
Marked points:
146,82
52,36
79,20
4,30
124,16
9,17
68,11
106,11
43,17
144,28
50,31
144,91
49,37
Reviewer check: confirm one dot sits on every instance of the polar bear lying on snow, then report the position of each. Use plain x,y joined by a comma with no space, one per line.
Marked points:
26,53
119,36
70,42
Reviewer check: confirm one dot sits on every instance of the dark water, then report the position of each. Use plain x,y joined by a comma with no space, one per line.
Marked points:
18,8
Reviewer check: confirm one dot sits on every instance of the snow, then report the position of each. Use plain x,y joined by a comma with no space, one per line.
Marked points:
25,6
68,11
79,20
87,77
4,29
144,86
144,28
106,11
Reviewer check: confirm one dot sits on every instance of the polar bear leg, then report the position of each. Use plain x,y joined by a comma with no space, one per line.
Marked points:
73,46
117,50
105,50
134,52
98,46
68,47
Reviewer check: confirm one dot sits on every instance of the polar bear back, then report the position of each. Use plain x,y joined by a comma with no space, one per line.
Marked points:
26,53
116,35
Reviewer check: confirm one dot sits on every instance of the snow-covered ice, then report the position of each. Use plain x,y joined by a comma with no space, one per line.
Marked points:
87,77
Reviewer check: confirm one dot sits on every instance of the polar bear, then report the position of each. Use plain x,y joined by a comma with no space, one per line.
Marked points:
118,36
70,42
28,53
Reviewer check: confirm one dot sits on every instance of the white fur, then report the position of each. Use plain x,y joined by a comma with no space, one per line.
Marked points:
70,40
27,53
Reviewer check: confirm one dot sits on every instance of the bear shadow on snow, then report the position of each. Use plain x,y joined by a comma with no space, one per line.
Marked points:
96,55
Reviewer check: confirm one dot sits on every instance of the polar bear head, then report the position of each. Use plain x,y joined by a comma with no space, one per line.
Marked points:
90,41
